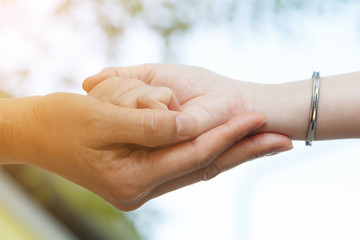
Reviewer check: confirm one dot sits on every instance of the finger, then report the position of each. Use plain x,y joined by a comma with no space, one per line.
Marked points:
142,72
176,77
134,93
158,98
144,96
251,148
199,153
245,150
119,91
145,127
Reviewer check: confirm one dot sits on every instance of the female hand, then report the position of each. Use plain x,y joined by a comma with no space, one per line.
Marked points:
213,99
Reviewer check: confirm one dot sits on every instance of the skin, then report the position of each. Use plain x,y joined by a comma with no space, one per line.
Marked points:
114,151
213,99
133,93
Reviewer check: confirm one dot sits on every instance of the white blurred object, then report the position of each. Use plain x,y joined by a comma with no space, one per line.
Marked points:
28,213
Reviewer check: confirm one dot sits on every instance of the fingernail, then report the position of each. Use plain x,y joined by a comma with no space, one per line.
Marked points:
280,150
186,124
262,123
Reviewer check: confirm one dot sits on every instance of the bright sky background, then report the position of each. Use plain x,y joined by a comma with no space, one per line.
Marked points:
308,193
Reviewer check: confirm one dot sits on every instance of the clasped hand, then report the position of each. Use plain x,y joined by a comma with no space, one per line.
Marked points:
215,121
139,133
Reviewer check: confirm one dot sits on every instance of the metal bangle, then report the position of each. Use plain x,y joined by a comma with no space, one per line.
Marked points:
314,108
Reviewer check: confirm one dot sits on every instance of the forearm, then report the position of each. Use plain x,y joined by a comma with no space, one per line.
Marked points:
287,107
339,115
17,130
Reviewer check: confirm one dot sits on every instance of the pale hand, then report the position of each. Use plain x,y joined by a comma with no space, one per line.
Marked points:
211,98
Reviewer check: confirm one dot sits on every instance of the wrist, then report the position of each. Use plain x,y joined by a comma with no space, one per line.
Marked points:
256,97
286,106
18,130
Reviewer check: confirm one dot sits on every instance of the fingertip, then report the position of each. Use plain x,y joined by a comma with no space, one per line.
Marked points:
279,139
258,119
174,104
268,144
90,82
85,85
281,144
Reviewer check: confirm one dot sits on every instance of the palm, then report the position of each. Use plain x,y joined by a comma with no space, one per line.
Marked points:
211,98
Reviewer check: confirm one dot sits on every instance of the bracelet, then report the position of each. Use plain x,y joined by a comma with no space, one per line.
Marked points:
314,108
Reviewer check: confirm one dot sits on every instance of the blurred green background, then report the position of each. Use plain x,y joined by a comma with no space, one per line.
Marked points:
55,36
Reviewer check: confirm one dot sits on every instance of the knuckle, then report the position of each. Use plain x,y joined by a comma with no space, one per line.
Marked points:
145,100
202,158
151,129
162,94
166,91
254,152
126,102
229,131
166,94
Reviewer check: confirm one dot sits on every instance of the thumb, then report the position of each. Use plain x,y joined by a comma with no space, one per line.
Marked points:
147,127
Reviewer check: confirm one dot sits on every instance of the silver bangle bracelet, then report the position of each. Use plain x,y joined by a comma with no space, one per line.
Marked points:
314,108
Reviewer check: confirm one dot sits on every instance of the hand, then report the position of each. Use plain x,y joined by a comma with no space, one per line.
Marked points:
133,93
211,98
90,143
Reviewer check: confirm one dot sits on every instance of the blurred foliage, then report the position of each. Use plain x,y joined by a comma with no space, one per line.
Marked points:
85,214
169,16
172,18
169,19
